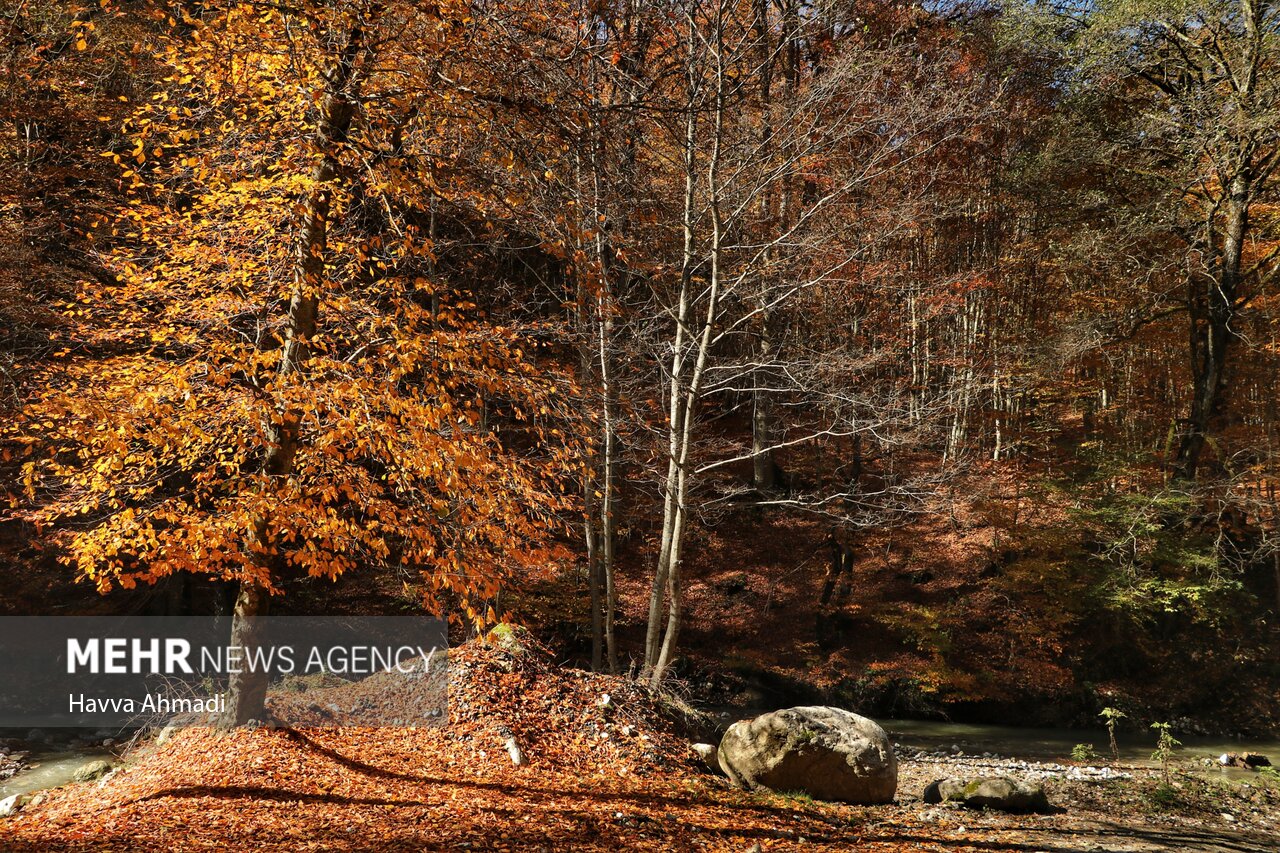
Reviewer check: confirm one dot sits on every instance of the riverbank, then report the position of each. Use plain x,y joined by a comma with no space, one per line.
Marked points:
1126,805
596,774
50,761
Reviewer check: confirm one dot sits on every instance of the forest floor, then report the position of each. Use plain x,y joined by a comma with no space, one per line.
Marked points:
598,777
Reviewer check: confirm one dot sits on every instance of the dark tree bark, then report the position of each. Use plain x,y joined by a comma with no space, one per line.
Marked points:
1213,308
247,690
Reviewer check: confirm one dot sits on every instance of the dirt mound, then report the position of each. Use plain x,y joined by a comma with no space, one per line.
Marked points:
509,686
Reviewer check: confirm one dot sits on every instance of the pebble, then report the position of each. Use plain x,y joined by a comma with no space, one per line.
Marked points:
1033,770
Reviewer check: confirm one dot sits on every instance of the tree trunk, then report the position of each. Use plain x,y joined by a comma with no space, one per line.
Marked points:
671,498
1275,560
684,404
591,539
585,303
247,691
762,462
1213,305
608,498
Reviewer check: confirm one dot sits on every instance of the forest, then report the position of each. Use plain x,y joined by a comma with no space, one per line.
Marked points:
918,359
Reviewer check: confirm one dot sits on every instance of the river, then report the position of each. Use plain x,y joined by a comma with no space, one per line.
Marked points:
1041,744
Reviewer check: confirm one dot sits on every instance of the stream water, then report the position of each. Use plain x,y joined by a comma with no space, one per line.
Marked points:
1056,744
49,770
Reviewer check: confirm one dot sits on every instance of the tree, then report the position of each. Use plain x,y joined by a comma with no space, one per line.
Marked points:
844,147
1183,99
287,388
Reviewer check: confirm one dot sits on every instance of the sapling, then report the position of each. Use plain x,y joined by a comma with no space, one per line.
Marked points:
1166,743
1113,716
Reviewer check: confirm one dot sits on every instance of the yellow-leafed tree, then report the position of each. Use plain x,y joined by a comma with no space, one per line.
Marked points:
281,384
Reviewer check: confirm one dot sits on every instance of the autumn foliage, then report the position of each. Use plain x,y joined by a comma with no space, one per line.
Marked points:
149,446
616,312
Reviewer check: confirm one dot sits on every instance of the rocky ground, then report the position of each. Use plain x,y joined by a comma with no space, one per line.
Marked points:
1112,808
12,760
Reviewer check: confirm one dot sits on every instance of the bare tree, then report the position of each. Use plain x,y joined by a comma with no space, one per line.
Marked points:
874,119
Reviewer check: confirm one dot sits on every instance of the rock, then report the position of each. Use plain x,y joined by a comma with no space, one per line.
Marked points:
513,639
92,770
514,752
1003,793
709,755
827,753
940,790
1250,760
10,805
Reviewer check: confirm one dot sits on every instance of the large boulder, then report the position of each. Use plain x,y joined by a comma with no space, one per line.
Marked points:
1003,793
827,753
